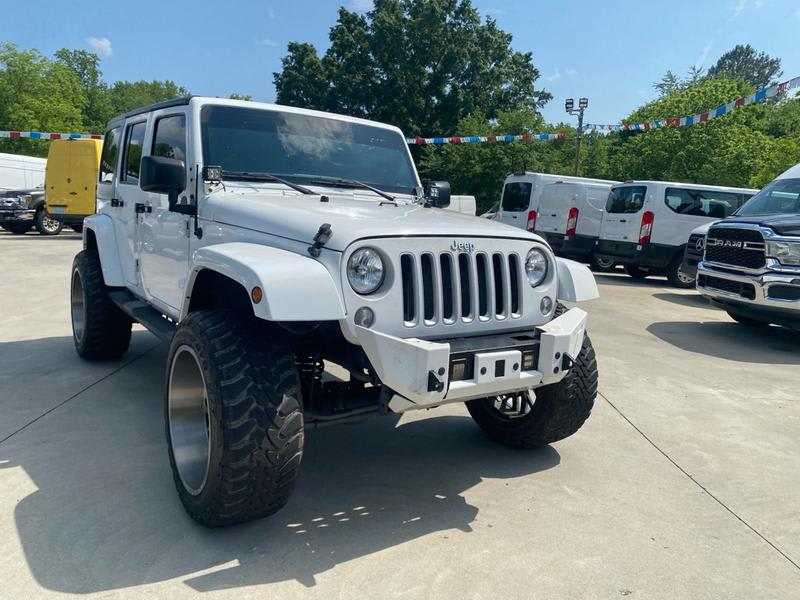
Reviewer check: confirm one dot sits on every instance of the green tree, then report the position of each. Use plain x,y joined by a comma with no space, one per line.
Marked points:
97,107
38,94
127,95
423,65
758,69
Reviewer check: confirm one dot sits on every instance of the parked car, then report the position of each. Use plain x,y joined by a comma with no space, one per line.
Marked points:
569,219
71,180
751,264
647,223
521,195
18,172
695,248
261,240
21,210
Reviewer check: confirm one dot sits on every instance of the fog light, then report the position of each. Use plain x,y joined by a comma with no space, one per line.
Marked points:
527,361
364,317
546,305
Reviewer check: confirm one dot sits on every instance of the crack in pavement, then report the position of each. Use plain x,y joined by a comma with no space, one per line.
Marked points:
78,393
700,485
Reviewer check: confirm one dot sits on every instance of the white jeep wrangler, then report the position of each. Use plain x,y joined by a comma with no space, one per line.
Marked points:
261,240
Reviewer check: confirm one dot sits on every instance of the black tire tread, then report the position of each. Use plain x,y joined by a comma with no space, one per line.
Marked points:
672,274
559,411
261,422
107,330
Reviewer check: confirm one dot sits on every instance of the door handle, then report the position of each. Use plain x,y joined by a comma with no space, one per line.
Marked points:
623,220
117,203
143,208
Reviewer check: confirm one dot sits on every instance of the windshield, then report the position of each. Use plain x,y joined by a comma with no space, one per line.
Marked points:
304,147
782,196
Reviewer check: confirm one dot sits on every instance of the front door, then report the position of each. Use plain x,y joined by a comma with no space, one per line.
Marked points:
163,235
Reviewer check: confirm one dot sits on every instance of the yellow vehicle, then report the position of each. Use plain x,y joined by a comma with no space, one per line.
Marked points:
70,180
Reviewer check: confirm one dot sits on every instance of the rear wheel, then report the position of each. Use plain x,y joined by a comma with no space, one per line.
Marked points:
636,272
747,320
534,418
45,224
600,264
677,276
234,422
100,330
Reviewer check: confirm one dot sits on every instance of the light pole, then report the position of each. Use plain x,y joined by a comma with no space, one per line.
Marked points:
569,105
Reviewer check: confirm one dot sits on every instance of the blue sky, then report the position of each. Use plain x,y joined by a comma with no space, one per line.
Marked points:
608,50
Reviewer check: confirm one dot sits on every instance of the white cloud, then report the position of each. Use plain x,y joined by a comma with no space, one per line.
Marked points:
100,46
266,42
737,9
555,75
361,5
570,72
701,60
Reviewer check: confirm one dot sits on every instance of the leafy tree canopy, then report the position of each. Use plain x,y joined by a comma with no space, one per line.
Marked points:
743,62
423,65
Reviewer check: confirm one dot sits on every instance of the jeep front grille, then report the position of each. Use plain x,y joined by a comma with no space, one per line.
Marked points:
735,247
449,287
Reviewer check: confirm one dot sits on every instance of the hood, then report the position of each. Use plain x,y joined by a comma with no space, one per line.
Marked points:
781,224
351,217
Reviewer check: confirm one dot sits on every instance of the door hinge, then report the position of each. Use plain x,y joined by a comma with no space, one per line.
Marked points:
137,264
143,208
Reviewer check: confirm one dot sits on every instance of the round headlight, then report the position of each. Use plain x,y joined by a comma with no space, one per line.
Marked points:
365,270
536,267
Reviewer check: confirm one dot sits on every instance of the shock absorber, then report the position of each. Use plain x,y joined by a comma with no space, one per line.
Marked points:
309,369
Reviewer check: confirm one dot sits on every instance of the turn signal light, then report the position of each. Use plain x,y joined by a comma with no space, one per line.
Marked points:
646,230
572,221
531,221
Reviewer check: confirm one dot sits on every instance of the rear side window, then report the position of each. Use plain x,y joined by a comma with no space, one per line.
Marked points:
629,199
702,203
108,160
170,137
516,196
133,152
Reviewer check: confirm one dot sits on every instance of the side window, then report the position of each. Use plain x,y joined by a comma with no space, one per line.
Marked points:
108,159
702,203
134,139
626,200
170,137
516,196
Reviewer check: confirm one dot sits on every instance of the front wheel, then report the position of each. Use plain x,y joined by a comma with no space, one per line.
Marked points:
600,264
636,272
677,276
45,224
233,416
534,418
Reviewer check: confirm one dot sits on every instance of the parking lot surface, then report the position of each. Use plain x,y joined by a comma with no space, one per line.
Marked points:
682,484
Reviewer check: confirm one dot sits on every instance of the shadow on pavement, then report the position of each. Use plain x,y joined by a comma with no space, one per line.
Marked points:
625,280
692,300
97,509
732,341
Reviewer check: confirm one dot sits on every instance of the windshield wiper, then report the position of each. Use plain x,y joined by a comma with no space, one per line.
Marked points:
258,176
354,184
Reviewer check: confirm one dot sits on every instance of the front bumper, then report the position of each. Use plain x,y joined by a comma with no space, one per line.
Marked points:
16,215
768,293
420,372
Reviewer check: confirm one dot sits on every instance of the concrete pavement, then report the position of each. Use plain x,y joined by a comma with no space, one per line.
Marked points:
682,484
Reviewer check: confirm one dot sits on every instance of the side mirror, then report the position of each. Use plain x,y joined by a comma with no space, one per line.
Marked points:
163,175
437,194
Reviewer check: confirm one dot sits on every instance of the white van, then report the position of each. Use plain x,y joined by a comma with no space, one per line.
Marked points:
19,172
647,223
522,191
463,204
569,218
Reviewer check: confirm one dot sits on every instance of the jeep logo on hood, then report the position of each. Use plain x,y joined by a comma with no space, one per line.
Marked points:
457,246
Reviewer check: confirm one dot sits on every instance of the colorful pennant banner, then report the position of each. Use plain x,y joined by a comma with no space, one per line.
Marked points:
38,135
759,96
472,139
